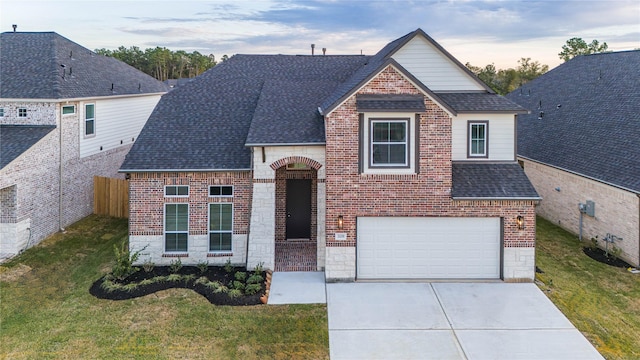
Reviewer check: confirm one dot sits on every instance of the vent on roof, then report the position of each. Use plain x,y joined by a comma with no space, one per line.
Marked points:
313,48
15,26
324,51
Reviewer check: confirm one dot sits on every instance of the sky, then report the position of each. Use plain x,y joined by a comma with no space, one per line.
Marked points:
479,32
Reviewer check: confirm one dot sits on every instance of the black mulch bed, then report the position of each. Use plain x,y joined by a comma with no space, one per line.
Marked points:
213,273
600,255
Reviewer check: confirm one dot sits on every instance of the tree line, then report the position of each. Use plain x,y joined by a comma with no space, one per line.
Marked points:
504,81
162,63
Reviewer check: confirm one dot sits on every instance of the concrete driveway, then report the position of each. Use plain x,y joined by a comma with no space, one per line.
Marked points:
449,321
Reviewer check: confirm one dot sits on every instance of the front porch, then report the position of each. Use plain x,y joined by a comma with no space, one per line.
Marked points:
296,256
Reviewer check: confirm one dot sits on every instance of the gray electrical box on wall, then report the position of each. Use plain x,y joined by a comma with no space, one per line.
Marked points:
590,208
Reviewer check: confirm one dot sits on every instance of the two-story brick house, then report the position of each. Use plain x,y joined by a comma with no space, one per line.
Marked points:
394,166
66,114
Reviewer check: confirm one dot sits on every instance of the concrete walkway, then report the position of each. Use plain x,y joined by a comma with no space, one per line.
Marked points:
449,321
297,287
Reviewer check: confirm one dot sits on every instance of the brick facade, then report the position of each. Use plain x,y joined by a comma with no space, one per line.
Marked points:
616,211
425,193
146,218
35,176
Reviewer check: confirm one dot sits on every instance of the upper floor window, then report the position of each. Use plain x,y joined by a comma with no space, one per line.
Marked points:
1,112
478,139
221,190
22,112
176,191
389,143
89,119
68,109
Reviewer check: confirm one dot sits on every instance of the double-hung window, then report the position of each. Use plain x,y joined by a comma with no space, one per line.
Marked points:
89,119
176,227
478,141
389,145
220,227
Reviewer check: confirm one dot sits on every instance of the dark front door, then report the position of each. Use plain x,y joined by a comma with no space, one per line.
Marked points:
298,209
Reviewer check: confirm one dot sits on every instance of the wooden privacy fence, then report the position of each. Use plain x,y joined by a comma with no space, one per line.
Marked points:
110,197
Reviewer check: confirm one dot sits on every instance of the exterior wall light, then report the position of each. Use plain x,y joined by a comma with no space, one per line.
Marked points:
520,222
340,222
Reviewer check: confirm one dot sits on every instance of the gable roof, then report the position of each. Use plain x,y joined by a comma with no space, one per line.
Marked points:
380,61
590,110
247,100
45,65
16,139
210,122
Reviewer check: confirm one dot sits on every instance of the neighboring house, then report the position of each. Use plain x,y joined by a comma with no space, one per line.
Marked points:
174,83
66,114
579,146
393,166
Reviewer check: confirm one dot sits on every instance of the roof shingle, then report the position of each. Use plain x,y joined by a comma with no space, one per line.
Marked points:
16,139
45,65
590,109
491,181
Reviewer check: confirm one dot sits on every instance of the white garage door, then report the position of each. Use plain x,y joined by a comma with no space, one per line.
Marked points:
428,248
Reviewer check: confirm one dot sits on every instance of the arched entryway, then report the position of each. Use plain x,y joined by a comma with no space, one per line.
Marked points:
296,181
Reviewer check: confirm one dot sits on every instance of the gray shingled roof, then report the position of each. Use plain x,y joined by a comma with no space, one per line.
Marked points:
31,68
16,139
591,118
385,102
206,124
491,181
480,103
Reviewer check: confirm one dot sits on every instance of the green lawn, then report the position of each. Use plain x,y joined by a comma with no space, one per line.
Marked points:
46,311
603,302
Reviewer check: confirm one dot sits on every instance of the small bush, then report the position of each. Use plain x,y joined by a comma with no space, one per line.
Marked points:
217,287
227,266
234,293
240,275
124,261
252,289
175,266
148,266
147,281
202,280
238,285
130,287
259,268
203,266
174,277
255,279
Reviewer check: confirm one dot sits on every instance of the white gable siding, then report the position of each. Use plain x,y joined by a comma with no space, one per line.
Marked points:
117,122
433,68
501,136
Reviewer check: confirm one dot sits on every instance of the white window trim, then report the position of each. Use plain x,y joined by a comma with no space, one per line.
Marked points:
165,232
406,142
219,232
84,123
25,112
410,168
222,196
64,106
470,124
177,196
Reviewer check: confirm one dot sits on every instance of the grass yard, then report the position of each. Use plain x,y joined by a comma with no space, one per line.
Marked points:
602,301
46,311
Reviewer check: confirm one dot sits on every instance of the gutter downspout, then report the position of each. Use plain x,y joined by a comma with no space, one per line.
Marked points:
60,170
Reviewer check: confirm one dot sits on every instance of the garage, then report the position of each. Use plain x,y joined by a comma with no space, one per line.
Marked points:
428,248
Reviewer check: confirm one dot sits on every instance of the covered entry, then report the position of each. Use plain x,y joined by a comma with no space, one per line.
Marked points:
428,248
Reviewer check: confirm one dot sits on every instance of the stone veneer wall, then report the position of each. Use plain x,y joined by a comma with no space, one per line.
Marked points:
616,211
426,193
264,229
146,215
